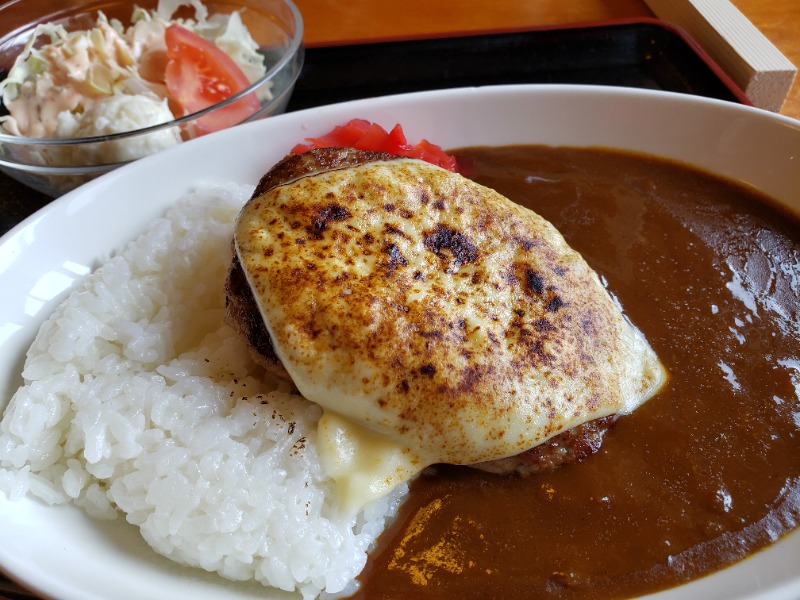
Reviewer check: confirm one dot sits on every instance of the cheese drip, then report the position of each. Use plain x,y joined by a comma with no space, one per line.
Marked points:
364,464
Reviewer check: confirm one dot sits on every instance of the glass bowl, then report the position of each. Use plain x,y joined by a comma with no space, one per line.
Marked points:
55,166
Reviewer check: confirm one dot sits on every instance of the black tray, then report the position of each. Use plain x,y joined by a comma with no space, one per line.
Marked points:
645,54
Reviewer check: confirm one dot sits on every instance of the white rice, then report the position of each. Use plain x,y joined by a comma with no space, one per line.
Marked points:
139,400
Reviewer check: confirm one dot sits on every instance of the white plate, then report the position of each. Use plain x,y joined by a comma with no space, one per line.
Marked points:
63,554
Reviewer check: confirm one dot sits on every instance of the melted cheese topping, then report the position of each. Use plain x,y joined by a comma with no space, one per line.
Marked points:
433,319
365,465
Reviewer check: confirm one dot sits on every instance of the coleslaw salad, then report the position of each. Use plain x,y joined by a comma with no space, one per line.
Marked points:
113,78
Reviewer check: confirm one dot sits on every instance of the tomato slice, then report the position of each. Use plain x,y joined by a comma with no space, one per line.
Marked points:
198,75
363,135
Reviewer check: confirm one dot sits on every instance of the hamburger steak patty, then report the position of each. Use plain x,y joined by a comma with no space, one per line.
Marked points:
566,448
243,314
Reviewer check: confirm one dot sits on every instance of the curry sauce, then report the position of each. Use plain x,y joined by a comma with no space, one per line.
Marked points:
705,473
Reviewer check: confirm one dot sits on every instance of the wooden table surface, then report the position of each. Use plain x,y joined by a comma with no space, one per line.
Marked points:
332,22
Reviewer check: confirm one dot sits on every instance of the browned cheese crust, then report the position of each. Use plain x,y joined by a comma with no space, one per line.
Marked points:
454,314
242,311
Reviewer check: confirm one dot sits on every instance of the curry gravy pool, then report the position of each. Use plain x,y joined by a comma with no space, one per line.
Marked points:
702,475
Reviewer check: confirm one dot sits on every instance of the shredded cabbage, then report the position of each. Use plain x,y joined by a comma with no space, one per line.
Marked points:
232,37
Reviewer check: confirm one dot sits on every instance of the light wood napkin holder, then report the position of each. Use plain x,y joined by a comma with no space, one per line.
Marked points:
762,72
